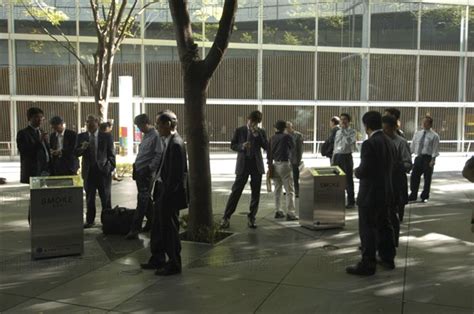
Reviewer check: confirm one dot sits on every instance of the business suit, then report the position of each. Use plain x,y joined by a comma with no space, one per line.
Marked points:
34,154
67,163
96,172
375,197
249,163
296,158
170,196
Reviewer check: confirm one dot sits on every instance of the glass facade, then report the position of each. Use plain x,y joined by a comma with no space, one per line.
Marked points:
298,60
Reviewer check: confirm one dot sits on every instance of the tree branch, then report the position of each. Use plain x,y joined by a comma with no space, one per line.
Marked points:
187,49
123,31
95,15
221,42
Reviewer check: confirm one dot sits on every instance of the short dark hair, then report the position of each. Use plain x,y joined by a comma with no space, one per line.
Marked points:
255,116
168,116
142,119
32,111
92,116
393,112
372,120
56,120
280,125
336,120
390,120
104,125
348,116
429,118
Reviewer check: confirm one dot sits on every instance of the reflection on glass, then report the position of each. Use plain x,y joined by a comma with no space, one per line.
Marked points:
439,78
339,76
288,75
67,110
340,23
236,76
407,119
392,77
470,80
163,72
5,135
44,68
470,36
444,123
63,10
4,78
394,25
291,23
440,26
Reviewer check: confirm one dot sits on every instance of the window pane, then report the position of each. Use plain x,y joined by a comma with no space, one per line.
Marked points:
288,75
163,72
392,77
470,80
4,78
439,78
469,128
445,123
236,76
66,11
66,110
302,118
4,17
246,23
5,135
340,23
339,76
126,63
222,120
470,36
289,22
440,26
159,24
44,68
153,109
393,25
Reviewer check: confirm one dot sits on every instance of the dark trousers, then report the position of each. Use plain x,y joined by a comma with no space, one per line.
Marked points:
238,186
296,178
144,202
164,237
97,181
345,162
395,221
376,234
421,166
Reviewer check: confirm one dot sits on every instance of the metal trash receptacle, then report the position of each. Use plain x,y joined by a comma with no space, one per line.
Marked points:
322,198
56,216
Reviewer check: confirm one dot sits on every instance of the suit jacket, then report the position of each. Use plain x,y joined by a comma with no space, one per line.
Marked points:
174,170
67,162
328,146
378,155
297,151
33,156
258,142
105,153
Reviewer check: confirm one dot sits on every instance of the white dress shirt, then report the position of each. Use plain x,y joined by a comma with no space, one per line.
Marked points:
60,137
96,140
430,143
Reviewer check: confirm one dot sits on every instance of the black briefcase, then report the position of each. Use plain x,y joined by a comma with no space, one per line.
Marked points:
117,220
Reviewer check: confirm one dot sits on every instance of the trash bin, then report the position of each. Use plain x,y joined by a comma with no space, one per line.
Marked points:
56,216
322,198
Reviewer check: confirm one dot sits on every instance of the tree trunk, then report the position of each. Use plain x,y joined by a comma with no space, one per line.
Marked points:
197,138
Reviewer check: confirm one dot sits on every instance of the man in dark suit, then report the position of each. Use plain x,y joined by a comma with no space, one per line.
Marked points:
98,162
327,148
170,197
62,142
248,142
33,145
375,198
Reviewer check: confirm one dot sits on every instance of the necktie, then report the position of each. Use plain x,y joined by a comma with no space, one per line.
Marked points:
249,139
92,150
42,144
421,144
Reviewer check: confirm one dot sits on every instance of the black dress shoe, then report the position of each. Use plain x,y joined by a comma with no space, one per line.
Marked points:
424,200
279,214
412,198
225,223
88,225
132,235
291,217
388,264
251,223
361,269
168,271
350,206
147,227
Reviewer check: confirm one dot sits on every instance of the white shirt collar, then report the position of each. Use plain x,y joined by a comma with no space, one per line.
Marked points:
375,131
95,133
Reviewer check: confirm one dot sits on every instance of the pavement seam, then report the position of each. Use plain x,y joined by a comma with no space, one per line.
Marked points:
55,301
280,282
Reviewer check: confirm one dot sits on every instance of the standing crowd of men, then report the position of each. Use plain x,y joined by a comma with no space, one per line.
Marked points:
160,172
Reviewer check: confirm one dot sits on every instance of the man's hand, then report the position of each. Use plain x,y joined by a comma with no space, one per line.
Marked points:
84,145
432,163
44,136
247,145
56,152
